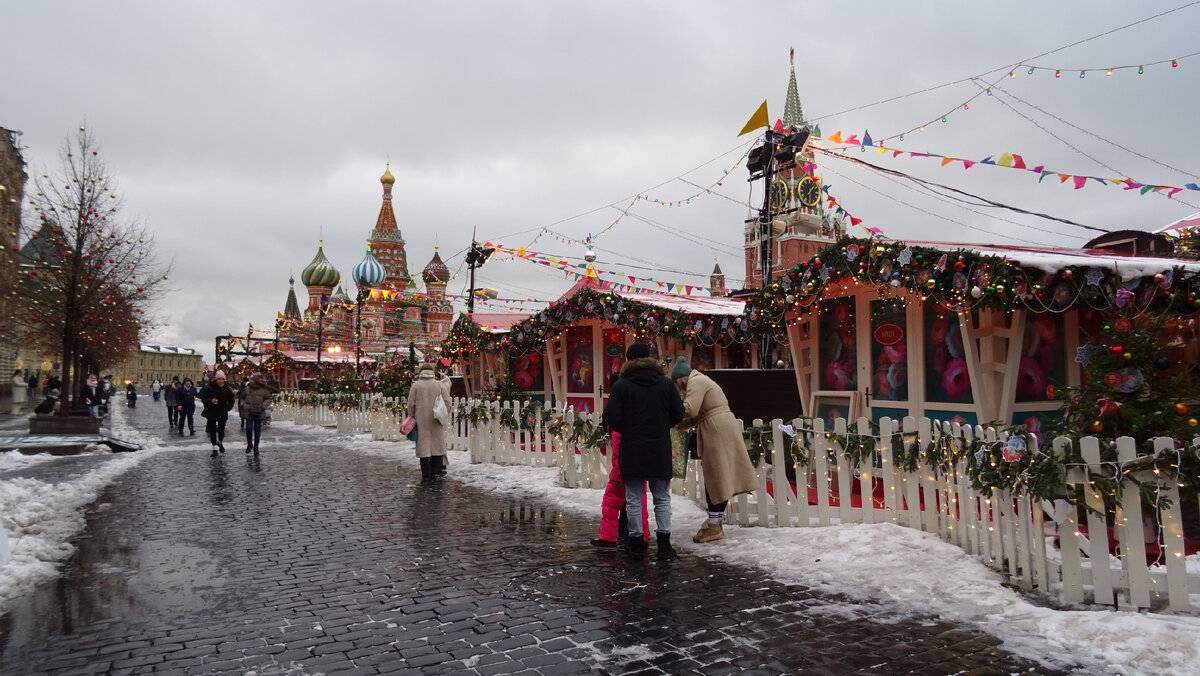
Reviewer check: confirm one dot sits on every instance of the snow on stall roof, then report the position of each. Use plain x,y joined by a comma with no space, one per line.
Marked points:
1054,259
498,322
698,305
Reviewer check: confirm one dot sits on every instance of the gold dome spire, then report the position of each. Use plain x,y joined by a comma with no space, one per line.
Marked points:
387,178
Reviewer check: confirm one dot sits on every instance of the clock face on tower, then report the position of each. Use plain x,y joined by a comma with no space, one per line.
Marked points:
808,191
779,194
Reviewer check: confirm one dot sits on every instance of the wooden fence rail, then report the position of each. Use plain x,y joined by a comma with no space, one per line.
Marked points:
1107,554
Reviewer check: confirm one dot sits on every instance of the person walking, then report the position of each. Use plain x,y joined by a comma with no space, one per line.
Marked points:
169,395
156,388
33,385
185,406
20,392
723,458
643,406
130,395
424,394
255,399
91,396
218,401
241,396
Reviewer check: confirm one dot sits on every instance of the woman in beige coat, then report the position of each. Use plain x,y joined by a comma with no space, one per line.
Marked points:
723,457
431,437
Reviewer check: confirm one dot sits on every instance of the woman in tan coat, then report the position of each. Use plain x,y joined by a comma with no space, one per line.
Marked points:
723,457
431,437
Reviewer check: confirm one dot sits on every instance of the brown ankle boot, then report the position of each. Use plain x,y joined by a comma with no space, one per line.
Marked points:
709,532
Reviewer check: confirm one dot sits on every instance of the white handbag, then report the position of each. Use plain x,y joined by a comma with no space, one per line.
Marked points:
440,412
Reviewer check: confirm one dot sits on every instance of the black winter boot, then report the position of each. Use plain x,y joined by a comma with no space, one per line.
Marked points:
665,551
436,468
637,546
426,469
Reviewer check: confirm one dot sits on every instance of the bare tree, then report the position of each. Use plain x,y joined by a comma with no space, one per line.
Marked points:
87,276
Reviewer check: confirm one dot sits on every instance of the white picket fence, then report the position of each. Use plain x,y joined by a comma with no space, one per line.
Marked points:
1007,532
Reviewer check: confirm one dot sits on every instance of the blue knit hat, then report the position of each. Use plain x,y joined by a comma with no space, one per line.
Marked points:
681,369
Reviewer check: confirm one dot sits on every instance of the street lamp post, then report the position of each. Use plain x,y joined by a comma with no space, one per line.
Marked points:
476,257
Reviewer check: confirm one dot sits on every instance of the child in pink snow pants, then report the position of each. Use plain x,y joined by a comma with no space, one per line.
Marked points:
614,500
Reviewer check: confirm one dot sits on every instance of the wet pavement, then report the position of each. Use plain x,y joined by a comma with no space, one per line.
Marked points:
315,559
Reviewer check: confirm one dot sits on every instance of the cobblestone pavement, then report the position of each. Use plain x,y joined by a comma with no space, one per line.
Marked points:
315,559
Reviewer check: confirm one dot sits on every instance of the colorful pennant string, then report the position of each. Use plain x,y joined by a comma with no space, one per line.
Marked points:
1011,160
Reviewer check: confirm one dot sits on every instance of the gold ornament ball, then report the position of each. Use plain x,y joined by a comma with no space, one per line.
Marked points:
1181,408
1097,426
1128,356
1193,422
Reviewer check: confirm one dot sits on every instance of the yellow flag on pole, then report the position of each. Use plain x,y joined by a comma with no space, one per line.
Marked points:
759,119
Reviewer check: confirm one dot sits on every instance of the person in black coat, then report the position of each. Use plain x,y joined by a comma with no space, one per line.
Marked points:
185,404
218,400
643,406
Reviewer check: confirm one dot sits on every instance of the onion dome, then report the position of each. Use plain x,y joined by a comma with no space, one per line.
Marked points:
339,297
369,272
320,272
436,272
387,178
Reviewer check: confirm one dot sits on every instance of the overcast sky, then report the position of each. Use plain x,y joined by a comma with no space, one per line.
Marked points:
240,132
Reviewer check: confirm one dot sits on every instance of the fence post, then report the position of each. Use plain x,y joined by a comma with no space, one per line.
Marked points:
820,466
1068,528
892,500
783,487
760,472
1171,522
1129,525
1102,577
866,474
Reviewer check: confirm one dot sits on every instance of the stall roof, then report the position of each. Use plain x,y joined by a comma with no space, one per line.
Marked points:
330,357
698,305
1053,259
498,322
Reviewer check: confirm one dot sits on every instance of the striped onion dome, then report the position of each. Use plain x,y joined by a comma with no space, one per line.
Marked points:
436,272
339,297
369,272
320,272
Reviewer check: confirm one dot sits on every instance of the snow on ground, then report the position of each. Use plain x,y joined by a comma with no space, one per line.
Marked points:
38,519
909,572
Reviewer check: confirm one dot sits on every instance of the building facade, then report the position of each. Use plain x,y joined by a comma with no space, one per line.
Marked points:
388,311
152,362
12,193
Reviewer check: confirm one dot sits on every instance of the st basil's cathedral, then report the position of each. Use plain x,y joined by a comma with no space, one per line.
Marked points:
393,312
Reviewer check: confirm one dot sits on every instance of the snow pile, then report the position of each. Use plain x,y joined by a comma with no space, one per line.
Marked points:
39,518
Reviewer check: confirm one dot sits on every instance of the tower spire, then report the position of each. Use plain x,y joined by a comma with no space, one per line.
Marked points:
793,114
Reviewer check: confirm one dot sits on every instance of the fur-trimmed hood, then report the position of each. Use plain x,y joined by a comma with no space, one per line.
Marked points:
642,363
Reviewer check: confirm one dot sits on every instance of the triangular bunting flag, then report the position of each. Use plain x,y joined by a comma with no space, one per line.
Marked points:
987,160
1080,181
778,125
867,139
947,160
852,139
1192,186
836,138
1062,178
967,164
757,121
1006,160
855,221
1044,175
1018,162
897,153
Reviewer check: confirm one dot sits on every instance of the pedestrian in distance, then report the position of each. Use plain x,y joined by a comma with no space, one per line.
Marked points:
156,388
131,395
424,394
255,399
218,401
241,393
186,406
643,407
33,386
719,443
19,392
613,503
169,396
91,396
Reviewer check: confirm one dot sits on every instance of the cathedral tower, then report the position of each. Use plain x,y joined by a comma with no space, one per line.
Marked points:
386,242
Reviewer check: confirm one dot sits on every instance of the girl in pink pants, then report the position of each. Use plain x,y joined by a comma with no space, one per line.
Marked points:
614,500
